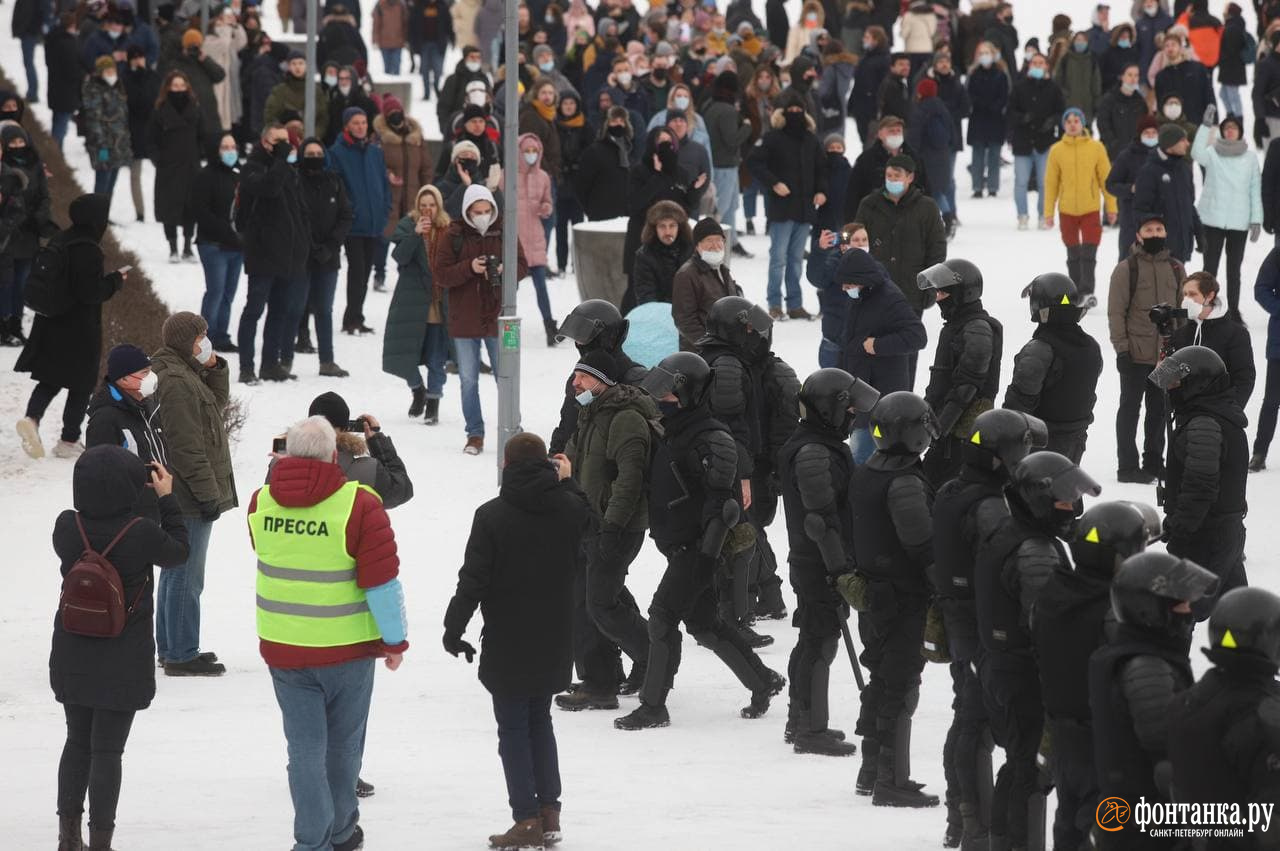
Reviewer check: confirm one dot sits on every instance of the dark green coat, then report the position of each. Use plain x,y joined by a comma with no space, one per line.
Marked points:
907,237
410,303
190,402
610,455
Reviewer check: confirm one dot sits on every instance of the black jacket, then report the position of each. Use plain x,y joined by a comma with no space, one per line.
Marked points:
175,138
1189,80
795,160
868,175
814,468
965,374
1121,182
519,567
989,96
277,236
867,77
213,195
1118,115
141,88
37,221
116,419
907,237
1164,188
655,267
601,179
453,94
330,215
62,57
29,17
1230,339
892,506
645,187
894,97
114,673
1055,377
1035,114
1270,188
1231,68
1206,467
1266,86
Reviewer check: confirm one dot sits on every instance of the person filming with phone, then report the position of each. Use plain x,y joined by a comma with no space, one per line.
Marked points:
123,412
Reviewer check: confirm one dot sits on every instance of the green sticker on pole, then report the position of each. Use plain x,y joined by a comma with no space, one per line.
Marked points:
511,336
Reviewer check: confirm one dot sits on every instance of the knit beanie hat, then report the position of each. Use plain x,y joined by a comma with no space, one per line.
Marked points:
903,162
350,113
464,147
125,359
1076,111
390,104
1147,122
600,364
180,330
1170,135
104,63
833,139
333,408
471,111
705,228
192,38
927,88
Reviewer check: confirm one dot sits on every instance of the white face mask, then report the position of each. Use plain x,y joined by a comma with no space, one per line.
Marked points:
854,293
148,384
624,78
681,103
530,157
1151,11
481,221
1172,110
986,60
712,258
205,350
109,79
1129,88
345,89
331,80
473,67
893,142
476,98
1192,307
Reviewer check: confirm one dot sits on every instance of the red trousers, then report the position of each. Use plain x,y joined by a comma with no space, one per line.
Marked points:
1085,229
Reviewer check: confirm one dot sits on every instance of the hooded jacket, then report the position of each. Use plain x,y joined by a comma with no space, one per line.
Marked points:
329,212
290,95
473,302
212,202
656,264
1080,79
796,160
533,202
1230,339
1231,198
118,673
410,310
610,454
1076,177
104,118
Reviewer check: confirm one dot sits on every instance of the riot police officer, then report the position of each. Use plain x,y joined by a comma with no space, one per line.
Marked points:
593,324
692,510
893,544
1134,679
1055,375
753,392
1067,626
1224,731
967,511
815,467
965,375
1207,466
1012,567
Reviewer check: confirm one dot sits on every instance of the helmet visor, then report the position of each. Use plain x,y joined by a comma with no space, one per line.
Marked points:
1071,484
761,322
659,382
1185,580
1037,432
1169,373
937,277
1152,525
581,329
862,396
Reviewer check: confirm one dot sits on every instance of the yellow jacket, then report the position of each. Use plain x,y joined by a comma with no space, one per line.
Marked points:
1075,176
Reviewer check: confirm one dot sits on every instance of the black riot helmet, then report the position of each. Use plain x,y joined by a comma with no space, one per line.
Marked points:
1045,478
831,397
594,324
960,279
903,424
1107,534
1245,622
1053,295
743,325
1152,523
1148,586
1190,372
1004,437
684,374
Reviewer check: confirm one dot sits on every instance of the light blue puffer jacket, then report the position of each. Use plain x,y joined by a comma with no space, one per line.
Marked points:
1232,194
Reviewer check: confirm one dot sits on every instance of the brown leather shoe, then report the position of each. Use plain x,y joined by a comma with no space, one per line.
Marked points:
799,313
523,834
551,825
475,445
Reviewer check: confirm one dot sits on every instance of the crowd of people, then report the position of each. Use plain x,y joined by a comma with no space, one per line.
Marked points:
945,519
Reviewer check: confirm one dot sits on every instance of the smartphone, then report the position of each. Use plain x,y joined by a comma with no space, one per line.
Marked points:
277,445
123,269
356,425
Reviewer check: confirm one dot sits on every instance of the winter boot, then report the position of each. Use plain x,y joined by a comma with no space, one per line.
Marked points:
635,680
99,840
15,329
29,432
789,732
977,837
866,782
173,252
1088,268
824,743
1073,264
432,415
644,717
354,842
586,699
550,825
332,370
197,667
363,789
419,403
7,339
523,834
894,787
70,836
955,822
1257,463
753,639
774,684
549,325
303,345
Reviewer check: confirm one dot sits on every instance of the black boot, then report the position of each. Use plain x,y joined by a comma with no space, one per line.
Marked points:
70,835
419,403
549,325
432,414
1073,264
645,717
866,782
977,837
99,840
955,822
15,329
1088,266
6,335
894,787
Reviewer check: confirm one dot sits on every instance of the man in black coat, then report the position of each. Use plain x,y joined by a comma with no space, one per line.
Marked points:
454,91
1004,35
658,176
62,57
665,245
1055,375
1165,189
518,569
601,179
330,214
868,169
1122,180
1186,78
123,412
894,97
211,203
1207,467
1036,104
277,242
965,375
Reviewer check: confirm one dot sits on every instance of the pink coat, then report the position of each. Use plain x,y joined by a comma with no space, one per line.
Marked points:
533,203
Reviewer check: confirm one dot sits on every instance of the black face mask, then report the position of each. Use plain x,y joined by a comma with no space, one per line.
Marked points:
1064,523
471,167
9,115
617,132
668,409
666,149
396,119
179,99
312,165
1153,244
795,122
659,74
19,156
948,307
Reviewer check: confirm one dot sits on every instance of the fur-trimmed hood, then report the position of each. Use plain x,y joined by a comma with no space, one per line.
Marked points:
777,121
842,56
350,442
390,137
666,210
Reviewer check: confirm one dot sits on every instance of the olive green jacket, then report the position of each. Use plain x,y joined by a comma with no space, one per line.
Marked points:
610,455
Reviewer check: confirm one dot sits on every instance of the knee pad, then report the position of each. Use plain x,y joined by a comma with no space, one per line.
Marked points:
910,700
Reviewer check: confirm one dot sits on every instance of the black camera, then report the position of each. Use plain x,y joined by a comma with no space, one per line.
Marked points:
356,425
491,273
1163,316
278,445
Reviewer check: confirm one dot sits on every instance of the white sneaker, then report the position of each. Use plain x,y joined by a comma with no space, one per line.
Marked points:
1022,222
1043,224
174,258
29,430
68,450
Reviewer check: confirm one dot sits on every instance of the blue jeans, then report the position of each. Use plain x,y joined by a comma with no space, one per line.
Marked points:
468,353
104,182
985,168
1022,166
786,254
391,59
281,331
178,597
539,276
725,181
263,290
950,191
221,278
861,443
530,761
61,120
435,351
326,713
1231,103
29,43
432,67
750,196
318,301
830,353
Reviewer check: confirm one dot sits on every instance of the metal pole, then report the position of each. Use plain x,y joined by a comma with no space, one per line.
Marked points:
309,103
853,654
204,17
508,365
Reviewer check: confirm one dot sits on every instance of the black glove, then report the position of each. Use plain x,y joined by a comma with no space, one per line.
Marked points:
455,645
608,542
321,254
1124,362
209,511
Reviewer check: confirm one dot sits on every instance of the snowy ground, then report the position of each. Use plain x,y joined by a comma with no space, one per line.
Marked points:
712,780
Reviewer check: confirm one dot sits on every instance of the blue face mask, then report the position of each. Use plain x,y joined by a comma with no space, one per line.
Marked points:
1035,73
1124,44
546,67
1079,46
292,158
895,187
1151,142
229,158
586,397
855,293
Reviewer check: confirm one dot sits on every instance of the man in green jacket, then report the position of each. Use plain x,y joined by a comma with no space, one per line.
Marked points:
610,457
290,94
191,393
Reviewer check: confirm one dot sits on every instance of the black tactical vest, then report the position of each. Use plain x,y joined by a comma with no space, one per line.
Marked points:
951,345
1069,393
676,492
1068,626
1000,623
1233,470
802,549
879,554
953,555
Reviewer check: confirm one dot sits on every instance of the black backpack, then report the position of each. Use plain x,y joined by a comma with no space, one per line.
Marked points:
49,290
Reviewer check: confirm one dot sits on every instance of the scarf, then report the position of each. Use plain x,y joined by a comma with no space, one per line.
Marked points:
575,121
624,150
431,241
547,112
1227,148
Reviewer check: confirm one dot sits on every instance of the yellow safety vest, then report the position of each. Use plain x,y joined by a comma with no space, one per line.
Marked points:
307,591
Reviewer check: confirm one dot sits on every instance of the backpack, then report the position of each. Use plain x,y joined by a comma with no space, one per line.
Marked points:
92,601
1179,271
1249,50
48,290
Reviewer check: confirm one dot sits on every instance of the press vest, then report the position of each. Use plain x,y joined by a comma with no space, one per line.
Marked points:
307,591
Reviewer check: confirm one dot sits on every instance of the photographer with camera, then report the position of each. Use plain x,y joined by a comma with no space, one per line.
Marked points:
1213,323
1146,278
365,454
470,268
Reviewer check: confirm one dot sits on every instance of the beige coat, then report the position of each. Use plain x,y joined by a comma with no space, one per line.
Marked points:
464,22
918,31
223,45
1132,332
390,24
408,161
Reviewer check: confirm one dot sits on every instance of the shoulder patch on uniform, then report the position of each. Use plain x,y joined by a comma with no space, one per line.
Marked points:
1092,537
1229,640
876,432
976,439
